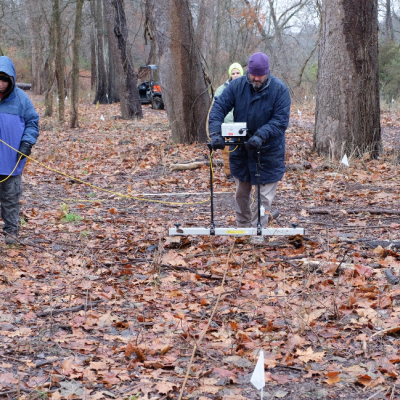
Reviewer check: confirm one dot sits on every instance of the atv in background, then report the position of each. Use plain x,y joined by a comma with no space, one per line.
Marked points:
149,87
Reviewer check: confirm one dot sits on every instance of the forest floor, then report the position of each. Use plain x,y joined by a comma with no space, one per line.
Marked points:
98,302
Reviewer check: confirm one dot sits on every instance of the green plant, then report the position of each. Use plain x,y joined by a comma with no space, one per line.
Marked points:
135,397
41,394
71,217
22,221
92,194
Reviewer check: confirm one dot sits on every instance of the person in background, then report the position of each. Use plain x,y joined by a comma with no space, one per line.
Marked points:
263,102
234,71
19,129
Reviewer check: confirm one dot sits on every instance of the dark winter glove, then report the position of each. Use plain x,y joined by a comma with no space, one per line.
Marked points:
254,143
217,142
25,148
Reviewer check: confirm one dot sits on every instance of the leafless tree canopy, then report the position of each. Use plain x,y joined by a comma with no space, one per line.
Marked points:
39,35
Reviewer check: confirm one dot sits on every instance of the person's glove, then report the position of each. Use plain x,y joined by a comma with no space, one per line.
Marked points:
254,143
25,148
217,142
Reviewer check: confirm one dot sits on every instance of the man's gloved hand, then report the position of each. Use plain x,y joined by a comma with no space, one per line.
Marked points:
217,142
25,148
254,143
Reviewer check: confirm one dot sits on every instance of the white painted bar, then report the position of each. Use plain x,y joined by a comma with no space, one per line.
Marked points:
236,231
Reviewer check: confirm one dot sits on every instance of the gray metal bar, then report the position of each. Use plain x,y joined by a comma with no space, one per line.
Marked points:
237,231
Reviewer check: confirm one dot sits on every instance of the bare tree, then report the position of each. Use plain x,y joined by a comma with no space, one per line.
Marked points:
185,90
389,33
36,47
204,26
129,95
347,113
74,113
106,84
49,67
60,61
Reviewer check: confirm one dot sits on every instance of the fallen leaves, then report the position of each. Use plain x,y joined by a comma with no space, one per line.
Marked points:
309,355
312,318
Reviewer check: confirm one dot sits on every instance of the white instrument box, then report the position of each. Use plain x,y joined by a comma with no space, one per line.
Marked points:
234,129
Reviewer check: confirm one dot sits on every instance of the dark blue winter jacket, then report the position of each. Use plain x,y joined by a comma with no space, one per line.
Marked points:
18,122
266,113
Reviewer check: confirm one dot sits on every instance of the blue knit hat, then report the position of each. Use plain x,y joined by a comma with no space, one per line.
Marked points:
258,64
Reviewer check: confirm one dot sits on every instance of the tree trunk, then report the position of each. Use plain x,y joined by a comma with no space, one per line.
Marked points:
36,48
129,94
49,70
74,123
60,62
101,73
348,110
93,64
183,83
389,33
204,27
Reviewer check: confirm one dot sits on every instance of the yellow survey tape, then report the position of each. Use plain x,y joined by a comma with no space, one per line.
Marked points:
99,188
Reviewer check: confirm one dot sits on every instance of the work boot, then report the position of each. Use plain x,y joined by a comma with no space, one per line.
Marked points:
229,178
274,214
11,239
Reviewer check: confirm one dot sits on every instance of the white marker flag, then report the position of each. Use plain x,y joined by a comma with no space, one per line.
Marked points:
345,161
258,377
102,117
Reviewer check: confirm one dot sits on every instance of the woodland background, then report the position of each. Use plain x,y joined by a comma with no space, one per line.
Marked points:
98,302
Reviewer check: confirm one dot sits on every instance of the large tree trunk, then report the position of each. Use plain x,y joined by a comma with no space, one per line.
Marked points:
36,49
74,123
101,73
389,33
348,110
49,69
60,62
129,94
185,91
93,64
204,26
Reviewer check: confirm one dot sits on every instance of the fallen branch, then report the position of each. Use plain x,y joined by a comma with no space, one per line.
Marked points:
179,268
385,331
219,163
355,211
64,310
195,165
44,362
301,166
394,280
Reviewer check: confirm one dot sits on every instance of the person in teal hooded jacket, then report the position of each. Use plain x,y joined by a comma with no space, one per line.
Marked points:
235,71
19,129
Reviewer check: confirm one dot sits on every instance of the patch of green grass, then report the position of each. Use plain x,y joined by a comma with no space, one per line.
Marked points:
41,394
71,217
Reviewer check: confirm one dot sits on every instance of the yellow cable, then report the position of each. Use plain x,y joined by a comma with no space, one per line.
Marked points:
231,151
105,190
16,165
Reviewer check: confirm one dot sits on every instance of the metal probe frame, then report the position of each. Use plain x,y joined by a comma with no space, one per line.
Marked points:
212,230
